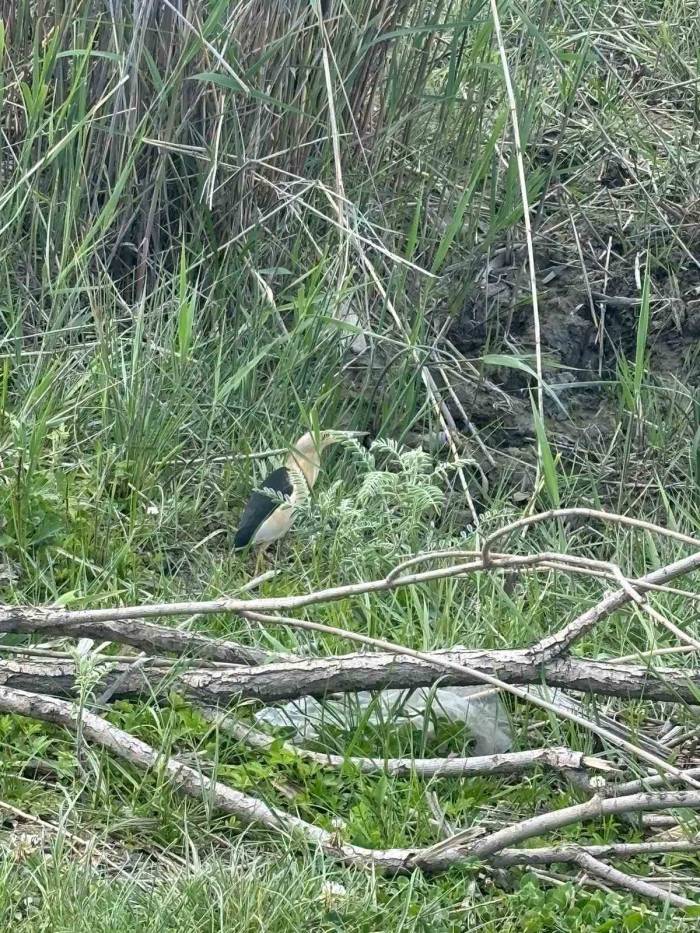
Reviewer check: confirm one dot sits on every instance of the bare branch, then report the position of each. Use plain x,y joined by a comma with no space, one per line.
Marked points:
549,855
554,645
556,759
598,514
332,594
594,809
192,782
648,782
211,686
187,779
620,879
249,810
153,639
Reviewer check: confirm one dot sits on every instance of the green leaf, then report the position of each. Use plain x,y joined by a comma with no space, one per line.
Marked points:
642,333
66,599
221,80
515,362
93,53
412,235
478,174
235,381
185,314
549,470
512,362
695,457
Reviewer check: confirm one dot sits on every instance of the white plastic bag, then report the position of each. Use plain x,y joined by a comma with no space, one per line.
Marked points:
481,709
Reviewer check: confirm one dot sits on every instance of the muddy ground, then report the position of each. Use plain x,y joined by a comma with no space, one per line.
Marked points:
589,319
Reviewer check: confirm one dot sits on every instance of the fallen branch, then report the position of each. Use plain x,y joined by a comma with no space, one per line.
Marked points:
646,783
556,759
550,855
124,623
595,808
621,879
63,618
393,666
153,639
351,673
249,810
206,687
192,782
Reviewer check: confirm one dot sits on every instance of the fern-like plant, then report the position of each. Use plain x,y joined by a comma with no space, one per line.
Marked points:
386,514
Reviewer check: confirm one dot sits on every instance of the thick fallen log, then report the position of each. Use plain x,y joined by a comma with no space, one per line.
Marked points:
318,677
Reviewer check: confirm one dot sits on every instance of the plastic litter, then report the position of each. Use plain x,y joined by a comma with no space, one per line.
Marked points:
480,709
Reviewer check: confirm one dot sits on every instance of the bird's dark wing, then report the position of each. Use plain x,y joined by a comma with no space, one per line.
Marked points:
260,505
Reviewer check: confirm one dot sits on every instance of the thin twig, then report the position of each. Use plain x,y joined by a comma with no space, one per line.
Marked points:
652,653
76,842
599,514
554,645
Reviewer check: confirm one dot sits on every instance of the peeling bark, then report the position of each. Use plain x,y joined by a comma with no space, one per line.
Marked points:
350,673
153,639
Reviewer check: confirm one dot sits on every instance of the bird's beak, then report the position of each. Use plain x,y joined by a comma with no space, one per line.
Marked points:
335,437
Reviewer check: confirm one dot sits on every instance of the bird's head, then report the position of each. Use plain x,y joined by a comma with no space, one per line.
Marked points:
306,453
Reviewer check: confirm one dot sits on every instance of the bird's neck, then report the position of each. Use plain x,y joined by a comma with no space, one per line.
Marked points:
307,462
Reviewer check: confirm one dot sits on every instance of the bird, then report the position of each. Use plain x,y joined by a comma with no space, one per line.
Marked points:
269,512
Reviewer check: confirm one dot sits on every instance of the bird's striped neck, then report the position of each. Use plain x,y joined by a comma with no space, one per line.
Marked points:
299,483
305,459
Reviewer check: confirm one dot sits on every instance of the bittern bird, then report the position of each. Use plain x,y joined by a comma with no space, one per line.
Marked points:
269,513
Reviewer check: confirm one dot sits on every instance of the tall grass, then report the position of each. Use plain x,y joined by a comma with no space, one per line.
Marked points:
245,148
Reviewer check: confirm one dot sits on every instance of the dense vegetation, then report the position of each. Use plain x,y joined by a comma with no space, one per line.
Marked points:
222,224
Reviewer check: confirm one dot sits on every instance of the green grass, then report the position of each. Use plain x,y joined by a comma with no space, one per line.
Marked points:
251,891
178,287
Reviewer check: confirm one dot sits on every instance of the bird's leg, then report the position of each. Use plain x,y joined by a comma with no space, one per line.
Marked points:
261,560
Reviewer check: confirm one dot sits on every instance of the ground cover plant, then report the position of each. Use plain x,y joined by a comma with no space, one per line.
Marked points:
469,229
